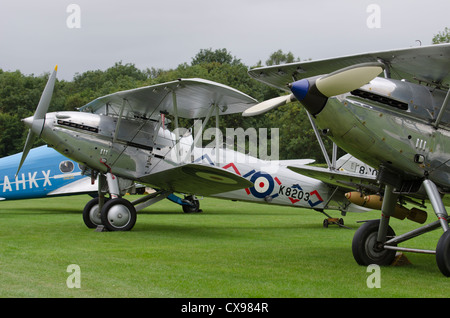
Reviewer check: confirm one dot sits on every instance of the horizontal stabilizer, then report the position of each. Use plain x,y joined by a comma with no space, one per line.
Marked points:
196,179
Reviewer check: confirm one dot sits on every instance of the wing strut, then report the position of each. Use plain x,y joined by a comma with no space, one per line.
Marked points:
119,120
387,69
217,133
331,164
443,108
177,134
199,134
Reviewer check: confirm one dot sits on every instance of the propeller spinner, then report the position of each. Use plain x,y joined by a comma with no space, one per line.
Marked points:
314,92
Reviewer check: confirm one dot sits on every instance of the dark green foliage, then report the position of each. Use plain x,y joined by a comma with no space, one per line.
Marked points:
442,37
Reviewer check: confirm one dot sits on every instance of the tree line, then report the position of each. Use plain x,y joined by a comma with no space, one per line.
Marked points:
20,94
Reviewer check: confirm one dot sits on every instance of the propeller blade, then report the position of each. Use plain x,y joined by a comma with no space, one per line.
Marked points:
269,104
46,96
36,123
31,138
348,79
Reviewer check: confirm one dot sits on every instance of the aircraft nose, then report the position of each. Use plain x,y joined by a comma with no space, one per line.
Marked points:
300,89
28,121
306,92
35,125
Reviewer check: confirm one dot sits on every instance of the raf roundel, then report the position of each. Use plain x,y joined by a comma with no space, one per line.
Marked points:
263,185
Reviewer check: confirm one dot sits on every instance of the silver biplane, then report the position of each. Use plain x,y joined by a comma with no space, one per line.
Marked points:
122,139
391,110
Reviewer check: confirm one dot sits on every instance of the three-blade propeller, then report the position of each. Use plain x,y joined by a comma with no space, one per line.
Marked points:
36,123
314,92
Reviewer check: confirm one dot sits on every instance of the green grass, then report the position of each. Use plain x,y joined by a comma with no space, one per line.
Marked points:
232,249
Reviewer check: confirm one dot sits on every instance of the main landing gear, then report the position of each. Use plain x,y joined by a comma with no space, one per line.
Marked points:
375,242
117,214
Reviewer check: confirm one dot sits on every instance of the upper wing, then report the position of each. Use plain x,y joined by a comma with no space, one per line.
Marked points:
342,179
429,63
197,179
193,100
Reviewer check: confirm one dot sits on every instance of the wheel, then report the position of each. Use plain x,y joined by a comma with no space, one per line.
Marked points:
91,214
364,245
325,223
118,215
195,207
443,253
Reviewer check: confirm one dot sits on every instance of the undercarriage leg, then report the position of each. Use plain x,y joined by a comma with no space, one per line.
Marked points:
387,210
101,194
113,185
436,202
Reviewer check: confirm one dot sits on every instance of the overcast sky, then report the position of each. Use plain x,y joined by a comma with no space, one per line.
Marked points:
37,34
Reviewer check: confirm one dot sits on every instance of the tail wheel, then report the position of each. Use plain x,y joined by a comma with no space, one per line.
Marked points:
443,253
366,250
194,208
118,215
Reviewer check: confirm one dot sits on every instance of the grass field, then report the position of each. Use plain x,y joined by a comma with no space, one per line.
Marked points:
232,249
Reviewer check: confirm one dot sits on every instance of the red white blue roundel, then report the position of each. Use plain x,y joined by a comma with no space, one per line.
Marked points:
262,185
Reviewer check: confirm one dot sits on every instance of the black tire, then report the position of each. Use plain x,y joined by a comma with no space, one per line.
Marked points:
443,254
194,208
364,246
118,215
91,214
